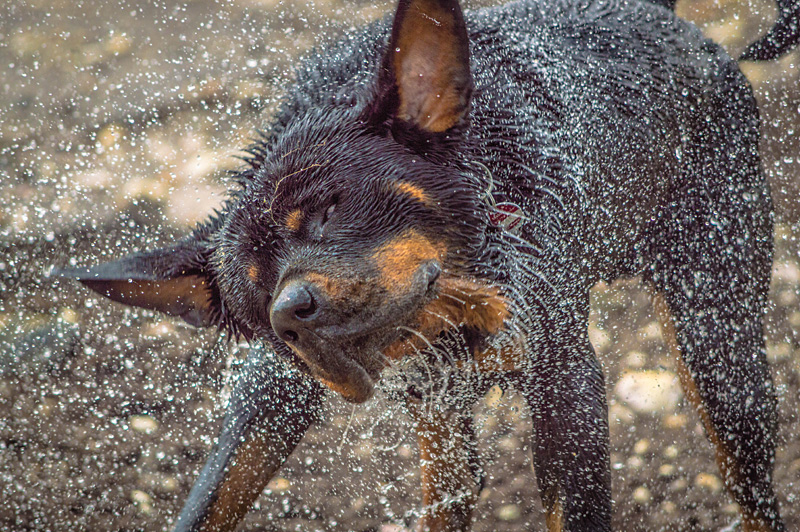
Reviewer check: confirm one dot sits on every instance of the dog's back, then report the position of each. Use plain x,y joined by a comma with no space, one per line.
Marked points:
607,97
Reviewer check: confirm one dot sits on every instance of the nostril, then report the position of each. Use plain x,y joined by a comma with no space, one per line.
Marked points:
289,336
307,309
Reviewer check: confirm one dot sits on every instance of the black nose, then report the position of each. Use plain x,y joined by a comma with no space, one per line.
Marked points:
294,307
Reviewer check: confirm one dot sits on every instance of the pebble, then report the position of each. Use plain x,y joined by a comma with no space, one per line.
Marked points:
675,421
641,446
110,136
69,315
671,451
635,462
651,331
679,484
709,482
143,501
158,329
731,509
642,495
788,272
279,484
144,424
508,512
649,391
666,470
787,298
493,396
509,443
620,414
404,451
778,352
636,359
599,339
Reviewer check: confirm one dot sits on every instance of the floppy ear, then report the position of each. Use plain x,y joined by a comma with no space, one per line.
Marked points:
174,280
425,78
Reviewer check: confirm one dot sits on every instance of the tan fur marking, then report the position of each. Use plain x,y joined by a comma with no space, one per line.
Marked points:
725,461
413,190
252,272
243,484
444,472
294,220
554,520
399,258
461,301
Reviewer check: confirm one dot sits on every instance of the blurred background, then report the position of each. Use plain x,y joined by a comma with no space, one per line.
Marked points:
119,124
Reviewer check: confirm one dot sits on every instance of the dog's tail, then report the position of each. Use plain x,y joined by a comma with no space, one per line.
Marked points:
782,38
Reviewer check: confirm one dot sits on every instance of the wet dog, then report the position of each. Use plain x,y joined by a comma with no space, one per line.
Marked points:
447,188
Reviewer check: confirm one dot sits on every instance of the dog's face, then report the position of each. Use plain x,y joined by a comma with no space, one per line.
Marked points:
355,236
363,242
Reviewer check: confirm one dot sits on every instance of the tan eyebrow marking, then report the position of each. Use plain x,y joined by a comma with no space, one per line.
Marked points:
252,272
294,220
416,192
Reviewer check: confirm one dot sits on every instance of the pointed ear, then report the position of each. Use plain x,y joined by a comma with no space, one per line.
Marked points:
173,280
425,78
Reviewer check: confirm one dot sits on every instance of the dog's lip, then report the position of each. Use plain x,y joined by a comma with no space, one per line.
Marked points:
347,375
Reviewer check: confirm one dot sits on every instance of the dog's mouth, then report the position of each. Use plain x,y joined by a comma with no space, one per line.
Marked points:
347,348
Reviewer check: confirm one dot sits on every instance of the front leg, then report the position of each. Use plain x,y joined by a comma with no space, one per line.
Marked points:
449,470
565,391
271,407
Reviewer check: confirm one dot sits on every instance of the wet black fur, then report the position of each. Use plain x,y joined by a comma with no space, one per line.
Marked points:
616,127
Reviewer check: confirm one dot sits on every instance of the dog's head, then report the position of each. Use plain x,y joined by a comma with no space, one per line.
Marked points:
355,236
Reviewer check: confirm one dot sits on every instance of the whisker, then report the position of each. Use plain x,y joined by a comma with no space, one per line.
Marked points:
441,317
454,298
346,429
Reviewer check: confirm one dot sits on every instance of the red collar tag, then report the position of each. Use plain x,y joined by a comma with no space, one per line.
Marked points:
509,216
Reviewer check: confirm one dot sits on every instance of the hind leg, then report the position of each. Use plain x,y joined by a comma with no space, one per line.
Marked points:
712,267
732,393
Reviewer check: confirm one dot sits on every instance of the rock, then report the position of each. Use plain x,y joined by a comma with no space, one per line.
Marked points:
143,501
508,512
708,481
641,446
649,391
620,414
279,484
666,470
493,396
600,339
635,359
143,424
675,421
671,452
642,495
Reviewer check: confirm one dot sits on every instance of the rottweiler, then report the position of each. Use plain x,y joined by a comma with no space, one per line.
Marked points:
441,190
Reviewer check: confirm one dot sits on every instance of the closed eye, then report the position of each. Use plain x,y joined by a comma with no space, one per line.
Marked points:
328,213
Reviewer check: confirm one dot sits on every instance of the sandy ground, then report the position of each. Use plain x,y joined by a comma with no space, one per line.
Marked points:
117,125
